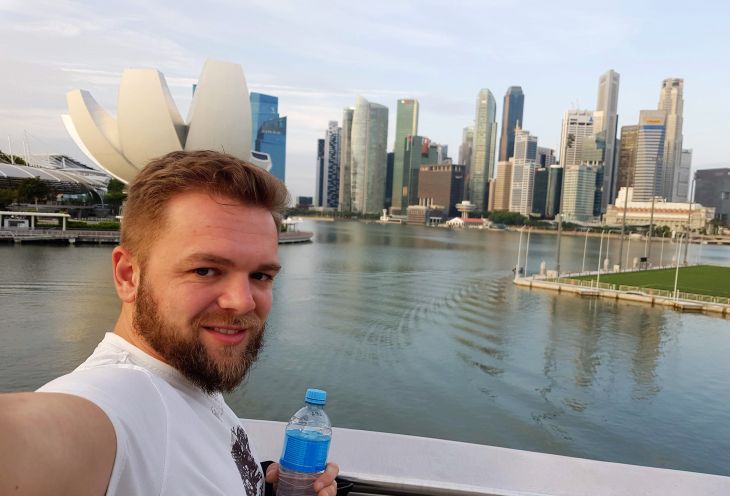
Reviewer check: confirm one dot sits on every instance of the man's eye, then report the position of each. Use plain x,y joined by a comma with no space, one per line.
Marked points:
262,276
205,271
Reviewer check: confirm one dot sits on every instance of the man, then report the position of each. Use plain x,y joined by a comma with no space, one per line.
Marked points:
144,414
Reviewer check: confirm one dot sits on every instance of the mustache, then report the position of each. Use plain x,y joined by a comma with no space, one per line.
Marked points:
248,321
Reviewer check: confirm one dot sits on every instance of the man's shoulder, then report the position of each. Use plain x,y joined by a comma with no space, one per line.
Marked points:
124,392
113,378
111,371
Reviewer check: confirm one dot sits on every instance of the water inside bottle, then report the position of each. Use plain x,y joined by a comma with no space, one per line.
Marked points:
305,450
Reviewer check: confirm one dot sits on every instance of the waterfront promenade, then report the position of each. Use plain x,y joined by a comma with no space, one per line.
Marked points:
69,236
588,285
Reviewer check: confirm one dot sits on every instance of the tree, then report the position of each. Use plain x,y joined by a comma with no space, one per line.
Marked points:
115,186
33,189
115,195
508,218
4,157
7,196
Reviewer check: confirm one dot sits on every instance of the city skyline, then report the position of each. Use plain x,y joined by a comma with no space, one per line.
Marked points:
288,52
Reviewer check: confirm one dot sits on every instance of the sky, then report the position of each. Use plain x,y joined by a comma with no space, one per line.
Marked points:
317,57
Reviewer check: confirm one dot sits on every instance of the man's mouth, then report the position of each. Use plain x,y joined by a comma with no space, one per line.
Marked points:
226,335
224,330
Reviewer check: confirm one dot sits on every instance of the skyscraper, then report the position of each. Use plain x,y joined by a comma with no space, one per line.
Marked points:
465,149
418,151
406,124
501,186
683,178
523,172
319,192
606,121
545,156
627,157
577,124
331,183
554,190
648,179
441,185
671,101
368,156
579,191
268,131
713,190
514,103
485,137
540,190
345,196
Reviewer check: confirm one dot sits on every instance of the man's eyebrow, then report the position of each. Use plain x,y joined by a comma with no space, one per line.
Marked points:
272,267
209,258
227,262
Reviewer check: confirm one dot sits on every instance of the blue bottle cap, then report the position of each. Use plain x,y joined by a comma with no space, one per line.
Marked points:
315,396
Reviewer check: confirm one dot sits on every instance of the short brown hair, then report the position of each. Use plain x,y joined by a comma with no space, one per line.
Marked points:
217,174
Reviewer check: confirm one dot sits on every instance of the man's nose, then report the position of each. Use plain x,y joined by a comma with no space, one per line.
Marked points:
236,295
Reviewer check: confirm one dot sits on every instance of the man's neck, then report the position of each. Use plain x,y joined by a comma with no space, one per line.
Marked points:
124,328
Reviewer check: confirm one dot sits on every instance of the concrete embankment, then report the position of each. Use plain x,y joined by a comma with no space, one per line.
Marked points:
632,296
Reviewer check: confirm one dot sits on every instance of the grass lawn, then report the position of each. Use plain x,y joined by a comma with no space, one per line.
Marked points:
702,279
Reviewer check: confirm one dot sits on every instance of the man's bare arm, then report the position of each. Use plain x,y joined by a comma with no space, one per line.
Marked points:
52,443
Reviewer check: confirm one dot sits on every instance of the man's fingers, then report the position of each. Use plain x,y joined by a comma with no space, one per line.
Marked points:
272,473
325,484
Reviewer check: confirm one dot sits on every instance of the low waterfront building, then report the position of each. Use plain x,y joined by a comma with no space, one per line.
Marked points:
460,222
424,215
672,214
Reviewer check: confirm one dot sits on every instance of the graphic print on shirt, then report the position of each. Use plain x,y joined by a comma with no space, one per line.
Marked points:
251,474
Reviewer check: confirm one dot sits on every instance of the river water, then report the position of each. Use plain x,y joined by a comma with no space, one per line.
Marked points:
420,331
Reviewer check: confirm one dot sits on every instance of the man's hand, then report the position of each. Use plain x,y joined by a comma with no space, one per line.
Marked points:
325,484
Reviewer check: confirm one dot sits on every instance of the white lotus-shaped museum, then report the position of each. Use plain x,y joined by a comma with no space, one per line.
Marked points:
148,123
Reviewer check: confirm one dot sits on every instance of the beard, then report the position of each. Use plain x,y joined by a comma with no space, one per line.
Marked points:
186,352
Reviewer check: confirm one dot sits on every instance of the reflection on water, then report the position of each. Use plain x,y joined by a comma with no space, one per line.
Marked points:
420,331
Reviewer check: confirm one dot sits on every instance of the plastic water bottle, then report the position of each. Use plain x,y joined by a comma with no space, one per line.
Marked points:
306,442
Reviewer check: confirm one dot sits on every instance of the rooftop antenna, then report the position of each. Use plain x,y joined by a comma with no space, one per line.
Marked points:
25,147
10,150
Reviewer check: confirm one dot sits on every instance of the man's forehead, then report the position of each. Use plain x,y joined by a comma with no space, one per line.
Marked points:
203,209
200,223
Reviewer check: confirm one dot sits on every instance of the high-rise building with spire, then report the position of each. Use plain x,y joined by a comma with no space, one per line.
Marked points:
671,101
406,124
514,103
485,138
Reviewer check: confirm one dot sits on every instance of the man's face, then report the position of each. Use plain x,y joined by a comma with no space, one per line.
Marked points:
206,288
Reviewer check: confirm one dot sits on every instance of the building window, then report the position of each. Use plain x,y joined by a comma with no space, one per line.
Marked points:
725,195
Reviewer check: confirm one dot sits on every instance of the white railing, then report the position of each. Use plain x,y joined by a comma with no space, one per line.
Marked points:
663,293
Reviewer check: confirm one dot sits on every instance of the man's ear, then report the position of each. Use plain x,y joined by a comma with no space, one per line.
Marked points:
126,274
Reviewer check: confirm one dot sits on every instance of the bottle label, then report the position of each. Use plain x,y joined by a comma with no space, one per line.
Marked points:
305,451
